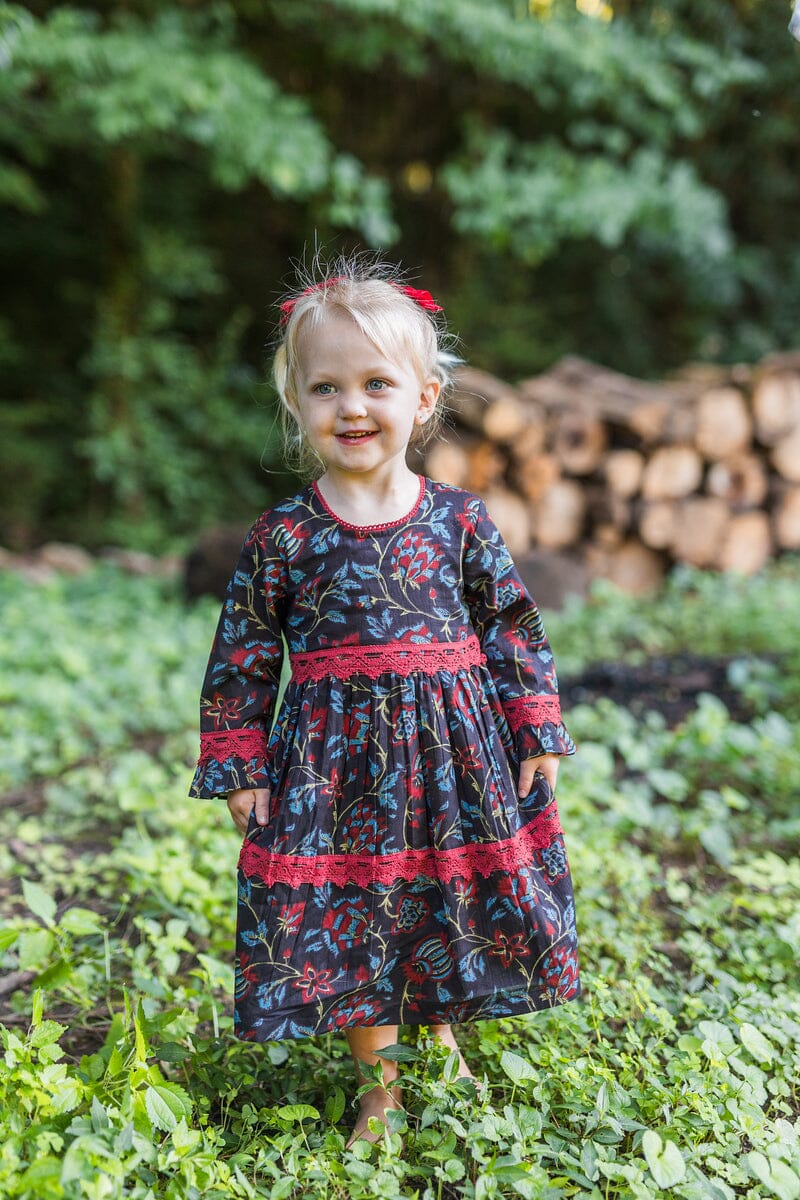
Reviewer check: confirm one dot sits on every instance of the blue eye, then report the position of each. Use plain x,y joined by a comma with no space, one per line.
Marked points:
381,384
320,388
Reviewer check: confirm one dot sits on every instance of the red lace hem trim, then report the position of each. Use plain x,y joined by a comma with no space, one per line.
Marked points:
221,744
480,858
373,660
532,710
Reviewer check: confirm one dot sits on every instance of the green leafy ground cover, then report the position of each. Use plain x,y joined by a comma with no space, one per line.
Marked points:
675,1075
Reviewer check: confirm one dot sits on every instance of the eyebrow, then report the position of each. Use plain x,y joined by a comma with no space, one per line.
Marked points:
372,373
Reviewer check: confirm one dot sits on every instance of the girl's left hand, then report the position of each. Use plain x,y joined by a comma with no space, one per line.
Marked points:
546,764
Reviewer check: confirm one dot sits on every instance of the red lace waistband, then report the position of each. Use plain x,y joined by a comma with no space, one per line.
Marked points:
479,858
373,659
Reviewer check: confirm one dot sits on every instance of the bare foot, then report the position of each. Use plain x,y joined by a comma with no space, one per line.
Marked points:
447,1038
374,1103
445,1035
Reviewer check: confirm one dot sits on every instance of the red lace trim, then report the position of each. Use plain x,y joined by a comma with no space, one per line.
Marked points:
373,660
363,529
223,744
532,710
480,858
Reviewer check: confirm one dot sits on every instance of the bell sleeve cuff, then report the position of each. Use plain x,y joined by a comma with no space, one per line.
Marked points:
535,722
243,673
230,759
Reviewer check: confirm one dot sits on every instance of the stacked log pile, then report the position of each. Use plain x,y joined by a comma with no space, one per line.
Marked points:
633,476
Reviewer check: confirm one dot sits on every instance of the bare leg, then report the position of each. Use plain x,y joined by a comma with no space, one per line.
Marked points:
365,1045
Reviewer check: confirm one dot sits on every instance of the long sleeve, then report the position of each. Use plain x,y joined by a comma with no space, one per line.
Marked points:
243,672
509,626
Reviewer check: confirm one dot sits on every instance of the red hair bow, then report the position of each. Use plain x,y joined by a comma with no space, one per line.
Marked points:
422,298
419,296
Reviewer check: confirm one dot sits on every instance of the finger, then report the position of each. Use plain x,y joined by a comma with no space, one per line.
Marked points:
550,772
240,805
527,770
262,805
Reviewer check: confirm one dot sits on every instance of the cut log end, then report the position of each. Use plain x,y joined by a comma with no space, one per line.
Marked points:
748,544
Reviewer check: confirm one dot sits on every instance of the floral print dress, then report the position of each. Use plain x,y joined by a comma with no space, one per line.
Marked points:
400,878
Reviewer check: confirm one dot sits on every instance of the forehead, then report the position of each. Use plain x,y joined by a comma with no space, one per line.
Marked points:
336,338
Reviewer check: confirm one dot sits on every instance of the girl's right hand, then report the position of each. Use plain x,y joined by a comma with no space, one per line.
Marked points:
241,803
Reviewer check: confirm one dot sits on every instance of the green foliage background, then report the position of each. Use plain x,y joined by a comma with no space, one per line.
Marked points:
675,1075
622,188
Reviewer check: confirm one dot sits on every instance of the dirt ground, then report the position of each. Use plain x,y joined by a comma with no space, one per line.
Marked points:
669,685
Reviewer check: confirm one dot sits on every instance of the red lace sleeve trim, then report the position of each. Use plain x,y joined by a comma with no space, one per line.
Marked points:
373,660
222,744
479,858
532,710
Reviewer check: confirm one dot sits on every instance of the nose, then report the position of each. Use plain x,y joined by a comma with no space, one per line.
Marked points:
351,404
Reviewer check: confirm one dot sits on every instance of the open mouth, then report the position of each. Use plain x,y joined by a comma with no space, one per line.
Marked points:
355,437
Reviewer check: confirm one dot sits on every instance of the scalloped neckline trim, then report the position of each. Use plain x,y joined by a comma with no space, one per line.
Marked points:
371,528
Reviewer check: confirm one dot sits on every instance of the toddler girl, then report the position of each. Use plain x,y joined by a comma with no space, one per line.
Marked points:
403,861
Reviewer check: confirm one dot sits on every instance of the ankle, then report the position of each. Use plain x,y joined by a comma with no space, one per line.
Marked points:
389,1092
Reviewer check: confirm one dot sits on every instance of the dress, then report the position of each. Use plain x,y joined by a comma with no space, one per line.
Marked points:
400,879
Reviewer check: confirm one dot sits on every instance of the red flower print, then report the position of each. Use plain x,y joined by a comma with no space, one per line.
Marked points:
346,922
467,760
416,560
517,886
465,890
354,1012
332,790
508,948
224,708
255,536
467,520
314,983
559,972
290,917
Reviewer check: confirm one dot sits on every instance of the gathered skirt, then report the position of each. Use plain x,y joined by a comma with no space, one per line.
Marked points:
400,878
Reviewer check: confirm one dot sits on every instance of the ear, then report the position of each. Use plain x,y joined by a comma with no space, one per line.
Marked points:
427,401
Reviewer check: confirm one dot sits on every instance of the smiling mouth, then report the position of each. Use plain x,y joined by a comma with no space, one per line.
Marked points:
356,437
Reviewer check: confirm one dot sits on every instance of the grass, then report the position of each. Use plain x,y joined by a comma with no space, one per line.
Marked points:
675,1075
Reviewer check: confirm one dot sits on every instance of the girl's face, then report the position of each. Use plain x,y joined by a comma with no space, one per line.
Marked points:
346,386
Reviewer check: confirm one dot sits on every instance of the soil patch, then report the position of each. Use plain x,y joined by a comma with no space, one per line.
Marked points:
669,685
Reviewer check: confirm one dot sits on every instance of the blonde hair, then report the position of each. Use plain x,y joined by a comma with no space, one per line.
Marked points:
369,291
